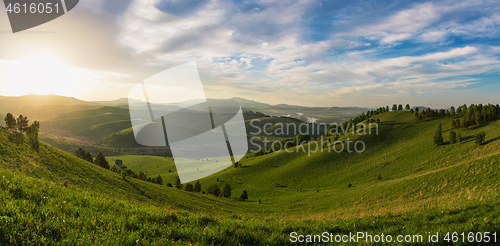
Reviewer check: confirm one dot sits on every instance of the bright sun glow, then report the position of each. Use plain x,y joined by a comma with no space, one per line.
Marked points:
42,76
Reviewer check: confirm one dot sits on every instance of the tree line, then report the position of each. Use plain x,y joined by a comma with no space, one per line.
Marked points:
474,115
20,126
213,190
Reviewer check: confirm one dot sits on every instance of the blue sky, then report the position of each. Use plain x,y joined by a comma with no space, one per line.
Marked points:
304,52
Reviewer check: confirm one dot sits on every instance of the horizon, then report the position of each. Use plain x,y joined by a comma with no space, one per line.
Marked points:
247,99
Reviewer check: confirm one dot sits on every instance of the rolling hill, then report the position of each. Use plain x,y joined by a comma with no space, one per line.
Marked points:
43,107
52,197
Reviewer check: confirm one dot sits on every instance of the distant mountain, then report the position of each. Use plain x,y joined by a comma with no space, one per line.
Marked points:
42,107
40,100
245,103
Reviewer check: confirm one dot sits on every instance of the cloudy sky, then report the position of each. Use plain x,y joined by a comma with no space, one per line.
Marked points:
302,52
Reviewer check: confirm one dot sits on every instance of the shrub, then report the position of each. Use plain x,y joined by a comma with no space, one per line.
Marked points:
189,188
124,174
480,137
214,190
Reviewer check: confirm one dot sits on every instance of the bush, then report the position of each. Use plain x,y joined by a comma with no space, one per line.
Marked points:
124,174
214,190
480,137
189,188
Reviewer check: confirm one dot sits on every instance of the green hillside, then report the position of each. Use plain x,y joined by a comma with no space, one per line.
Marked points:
413,171
43,107
54,198
94,123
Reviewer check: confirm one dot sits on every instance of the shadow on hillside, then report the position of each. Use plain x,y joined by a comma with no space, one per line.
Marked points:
137,189
491,140
394,123
467,139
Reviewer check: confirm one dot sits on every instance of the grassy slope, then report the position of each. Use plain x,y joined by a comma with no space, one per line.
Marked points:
414,172
56,166
94,123
152,166
422,190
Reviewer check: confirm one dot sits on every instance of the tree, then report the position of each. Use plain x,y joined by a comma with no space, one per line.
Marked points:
101,161
478,117
118,163
452,111
400,107
453,124
453,136
394,107
480,137
386,108
32,132
459,137
10,121
438,136
178,183
442,112
80,153
407,107
88,157
416,109
189,188
142,176
159,180
124,174
22,123
226,191
236,165
197,187
244,196
214,190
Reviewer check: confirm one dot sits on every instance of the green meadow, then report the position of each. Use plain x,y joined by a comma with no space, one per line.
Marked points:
402,184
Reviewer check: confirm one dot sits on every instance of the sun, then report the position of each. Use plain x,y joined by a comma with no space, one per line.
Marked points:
40,75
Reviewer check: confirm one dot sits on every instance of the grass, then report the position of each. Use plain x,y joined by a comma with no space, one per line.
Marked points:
152,166
422,188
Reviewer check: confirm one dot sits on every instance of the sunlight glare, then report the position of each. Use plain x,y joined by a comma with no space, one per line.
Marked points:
42,76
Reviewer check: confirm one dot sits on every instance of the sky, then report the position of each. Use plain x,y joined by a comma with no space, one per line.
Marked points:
302,52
